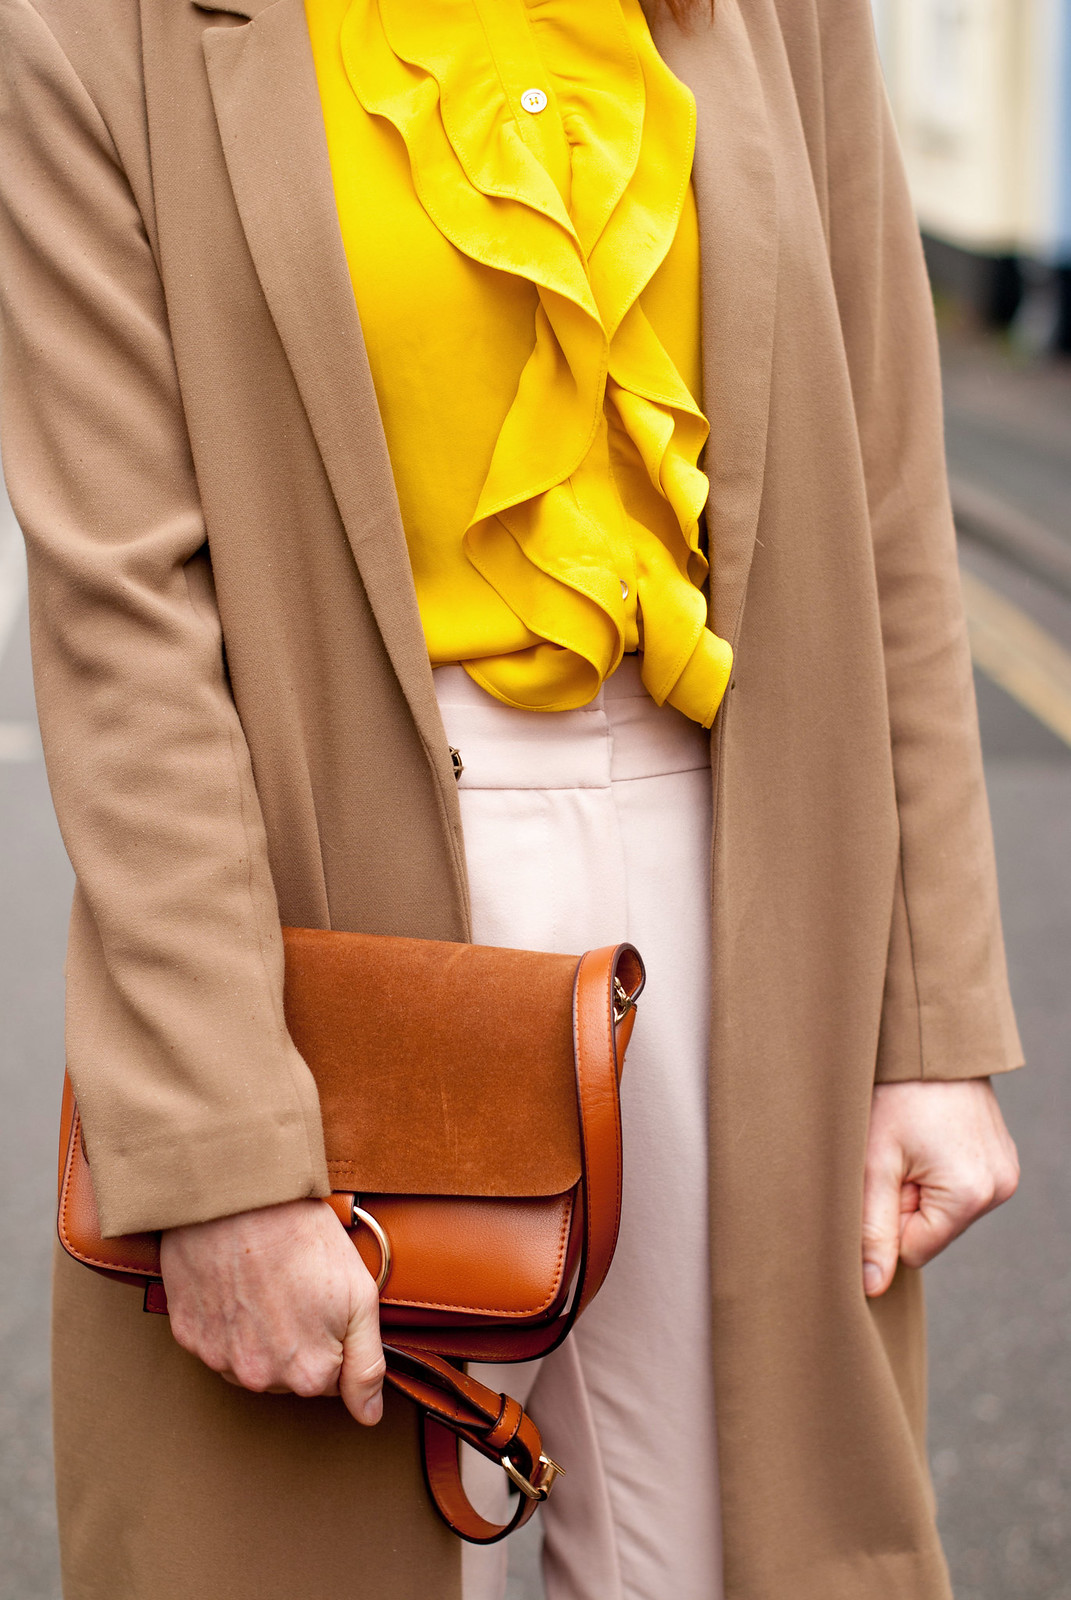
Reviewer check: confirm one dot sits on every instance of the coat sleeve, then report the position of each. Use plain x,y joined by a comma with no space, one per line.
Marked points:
947,1010
195,1102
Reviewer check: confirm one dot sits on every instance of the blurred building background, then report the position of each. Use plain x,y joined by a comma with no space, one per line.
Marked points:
981,91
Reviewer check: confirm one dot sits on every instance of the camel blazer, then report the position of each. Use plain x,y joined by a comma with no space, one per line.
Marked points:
240,723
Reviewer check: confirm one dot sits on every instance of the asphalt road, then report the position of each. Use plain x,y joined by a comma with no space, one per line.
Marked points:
1000,1301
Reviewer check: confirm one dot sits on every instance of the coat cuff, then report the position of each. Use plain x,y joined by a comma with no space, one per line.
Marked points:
217,1173
956,1030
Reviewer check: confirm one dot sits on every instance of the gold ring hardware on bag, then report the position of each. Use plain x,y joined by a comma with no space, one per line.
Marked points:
548,1471
376,1229
623,1001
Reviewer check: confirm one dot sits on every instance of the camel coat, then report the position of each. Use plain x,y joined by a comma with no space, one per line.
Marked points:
240,726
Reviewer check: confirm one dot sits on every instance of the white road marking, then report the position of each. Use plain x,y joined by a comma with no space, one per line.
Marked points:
1012,533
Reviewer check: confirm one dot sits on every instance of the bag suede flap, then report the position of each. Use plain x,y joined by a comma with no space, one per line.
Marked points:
442,1068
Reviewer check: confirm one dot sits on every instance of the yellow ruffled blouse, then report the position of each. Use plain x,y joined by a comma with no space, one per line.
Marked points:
514,194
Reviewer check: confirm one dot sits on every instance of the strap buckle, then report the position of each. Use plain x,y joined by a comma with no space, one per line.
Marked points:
544,1478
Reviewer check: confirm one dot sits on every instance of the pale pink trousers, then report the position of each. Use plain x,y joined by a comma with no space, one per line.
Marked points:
583,828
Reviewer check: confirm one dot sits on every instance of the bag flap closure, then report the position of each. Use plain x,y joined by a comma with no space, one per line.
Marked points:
442,1068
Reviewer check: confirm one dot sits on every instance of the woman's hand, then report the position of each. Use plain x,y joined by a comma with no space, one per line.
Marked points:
278,1300
938,1157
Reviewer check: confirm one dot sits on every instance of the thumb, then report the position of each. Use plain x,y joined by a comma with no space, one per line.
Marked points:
360,1382
881,1219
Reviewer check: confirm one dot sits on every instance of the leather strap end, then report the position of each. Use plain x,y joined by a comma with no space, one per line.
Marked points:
155,1298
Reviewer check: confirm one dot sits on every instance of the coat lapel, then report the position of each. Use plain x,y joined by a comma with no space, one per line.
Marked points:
267,106
735,190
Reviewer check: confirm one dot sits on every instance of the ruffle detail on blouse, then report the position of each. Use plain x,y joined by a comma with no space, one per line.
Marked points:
598,453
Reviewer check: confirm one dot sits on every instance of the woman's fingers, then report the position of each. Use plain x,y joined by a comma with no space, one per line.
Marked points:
278,1301
944,1150
935,1224
947,1211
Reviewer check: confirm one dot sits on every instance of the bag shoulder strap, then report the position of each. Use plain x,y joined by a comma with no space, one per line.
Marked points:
603,1009
456,1407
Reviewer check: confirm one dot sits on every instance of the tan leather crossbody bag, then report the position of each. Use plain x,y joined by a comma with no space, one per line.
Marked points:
472,1123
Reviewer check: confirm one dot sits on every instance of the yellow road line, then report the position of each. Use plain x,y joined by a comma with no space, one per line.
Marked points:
1017,654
